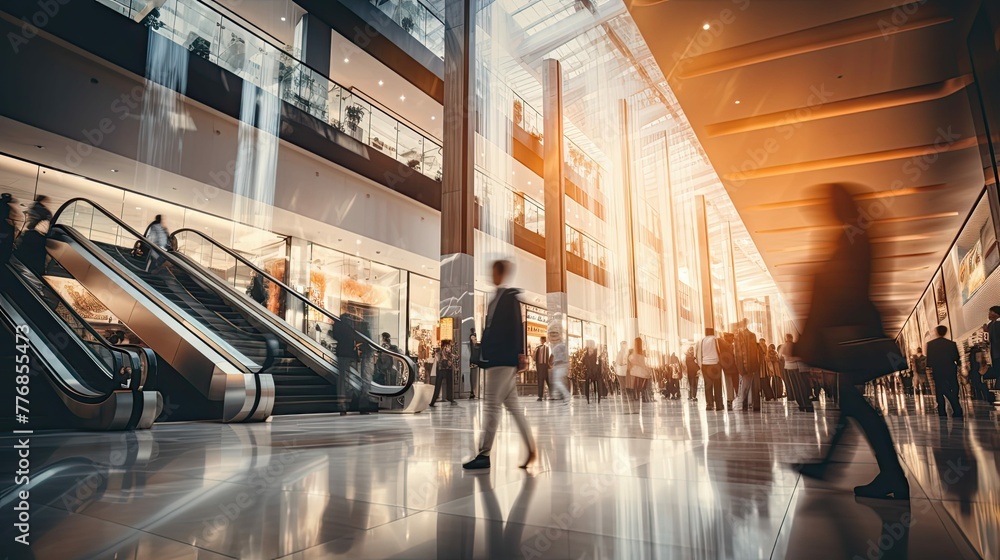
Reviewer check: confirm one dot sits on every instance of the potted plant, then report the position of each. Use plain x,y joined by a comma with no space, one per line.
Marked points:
518,112
201,47
354,114
407,23
337,125
438,176
152,20
413,164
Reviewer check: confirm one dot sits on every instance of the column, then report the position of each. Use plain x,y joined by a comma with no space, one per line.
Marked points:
313,42
458,271
632,319
557,301
704,262
731,277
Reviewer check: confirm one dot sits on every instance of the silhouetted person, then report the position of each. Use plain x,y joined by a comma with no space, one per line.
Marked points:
592,371
840,299
159,238
709,356
30,250
673,383
749,362
639,370
542,355
38,213
257,289
473,364
347,357
446,362
385,363
798,382
501,354
943,359
691,370
920,370
730,372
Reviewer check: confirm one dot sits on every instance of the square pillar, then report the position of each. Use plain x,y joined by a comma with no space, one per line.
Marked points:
704,262
557,302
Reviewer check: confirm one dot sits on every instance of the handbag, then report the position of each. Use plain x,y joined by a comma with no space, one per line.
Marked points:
861,358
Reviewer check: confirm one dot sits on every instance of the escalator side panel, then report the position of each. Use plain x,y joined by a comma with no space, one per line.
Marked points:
172,339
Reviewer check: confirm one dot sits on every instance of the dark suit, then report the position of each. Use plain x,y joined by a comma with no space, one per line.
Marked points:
503,339
748,362
542,368
943,359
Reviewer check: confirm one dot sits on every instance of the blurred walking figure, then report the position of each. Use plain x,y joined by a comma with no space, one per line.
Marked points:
38,213
502,353
673,386
842,312
592,371
944,359
920,370
542,368
621,368
473,364
445,364
709,358
159,237
749,361
796,375
638,369
559,359
691,369
730,371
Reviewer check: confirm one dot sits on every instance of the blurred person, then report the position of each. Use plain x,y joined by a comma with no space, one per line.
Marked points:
691,370
257,290
445,367
748,362
709,357
37,213
473,364
943,359
919,366
346,350
621,368
385,363
977,362
766,387
638,369
30,248
592,371
776,371
840,300
796,375
542,367
673,385
159,238
730,372
501,353
559,359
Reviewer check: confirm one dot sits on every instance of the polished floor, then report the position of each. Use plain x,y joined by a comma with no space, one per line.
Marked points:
669,480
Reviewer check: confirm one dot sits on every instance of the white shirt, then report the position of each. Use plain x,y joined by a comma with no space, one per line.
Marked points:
708,351
622,359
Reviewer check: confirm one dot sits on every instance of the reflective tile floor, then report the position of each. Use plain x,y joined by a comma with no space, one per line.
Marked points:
668,480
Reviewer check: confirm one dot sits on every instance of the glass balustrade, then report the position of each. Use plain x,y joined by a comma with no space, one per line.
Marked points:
209,34
417,20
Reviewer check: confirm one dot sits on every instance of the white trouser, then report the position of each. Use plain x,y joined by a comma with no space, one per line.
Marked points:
501,389
557,382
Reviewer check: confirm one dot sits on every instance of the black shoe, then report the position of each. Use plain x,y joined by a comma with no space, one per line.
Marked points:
480,463
472,396
815,471
885,487
539,399
810,410
453,402
431,405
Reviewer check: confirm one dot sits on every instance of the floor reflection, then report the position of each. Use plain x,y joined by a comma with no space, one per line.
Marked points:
671,481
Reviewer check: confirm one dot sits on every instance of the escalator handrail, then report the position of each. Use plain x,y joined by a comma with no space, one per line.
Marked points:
333,318
120,356
233,359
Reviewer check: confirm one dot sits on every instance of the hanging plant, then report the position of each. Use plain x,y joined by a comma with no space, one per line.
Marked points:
201,47
414,164
152,20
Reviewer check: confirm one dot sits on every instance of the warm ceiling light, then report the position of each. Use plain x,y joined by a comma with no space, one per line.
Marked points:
346,60
737,101
706,27
114,171
402,98
359,242
282,18
899,238
380,82
433,117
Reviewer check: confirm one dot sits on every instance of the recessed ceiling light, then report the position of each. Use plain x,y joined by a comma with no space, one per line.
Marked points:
114,171
380,82
706,27
529,182
282,18
737,101
138,208
346,60
359,242
433,117
402,98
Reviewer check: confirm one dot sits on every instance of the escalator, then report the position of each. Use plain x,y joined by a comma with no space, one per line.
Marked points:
295,319
209,367
88,382
209,333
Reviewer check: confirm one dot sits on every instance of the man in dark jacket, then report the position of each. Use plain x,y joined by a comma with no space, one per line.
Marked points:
943,360
729,369
500,354
347,356
748,362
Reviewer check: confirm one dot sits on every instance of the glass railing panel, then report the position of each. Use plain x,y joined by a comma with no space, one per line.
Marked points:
123,7
433,159
384,133
241,52
193,25
355,117
410,148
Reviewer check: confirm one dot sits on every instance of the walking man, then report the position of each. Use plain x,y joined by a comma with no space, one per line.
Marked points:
542,355
943,359
748,361
709,358
920,369
501,353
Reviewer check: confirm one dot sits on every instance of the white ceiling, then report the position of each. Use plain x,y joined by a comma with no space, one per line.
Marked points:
785,95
